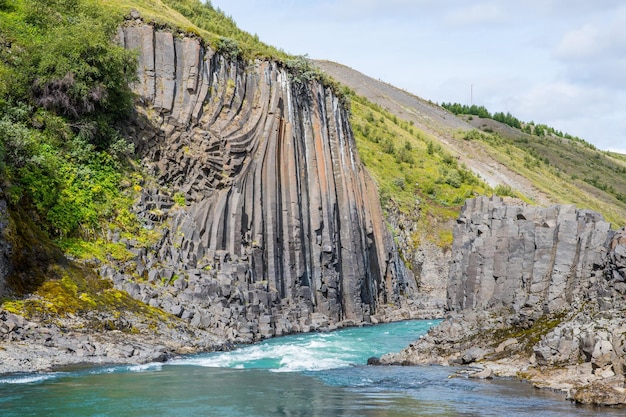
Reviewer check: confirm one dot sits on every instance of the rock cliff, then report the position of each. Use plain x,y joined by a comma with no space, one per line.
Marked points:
529,260
538,293
281,229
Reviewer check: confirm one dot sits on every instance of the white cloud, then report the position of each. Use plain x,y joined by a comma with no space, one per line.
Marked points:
588,112
604,40
561,100
372,9
594,53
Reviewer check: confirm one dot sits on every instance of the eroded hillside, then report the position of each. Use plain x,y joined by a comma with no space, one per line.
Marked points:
544,169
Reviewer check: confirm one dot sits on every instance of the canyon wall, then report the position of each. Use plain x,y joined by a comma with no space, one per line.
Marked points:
526,259
536,292
281,229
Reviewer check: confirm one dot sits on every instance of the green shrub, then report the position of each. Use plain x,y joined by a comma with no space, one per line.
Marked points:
388,146
472,135
453,178
399,182
404,155
504,191
60,153
229,48
302,70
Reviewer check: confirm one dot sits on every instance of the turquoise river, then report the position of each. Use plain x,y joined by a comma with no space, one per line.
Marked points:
319,374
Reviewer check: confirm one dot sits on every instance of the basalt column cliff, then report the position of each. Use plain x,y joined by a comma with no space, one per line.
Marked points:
535,292
280,216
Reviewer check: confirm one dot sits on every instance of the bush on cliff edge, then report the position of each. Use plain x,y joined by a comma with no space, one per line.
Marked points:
63,89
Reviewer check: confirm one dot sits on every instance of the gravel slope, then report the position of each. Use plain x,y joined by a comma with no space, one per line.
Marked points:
437,122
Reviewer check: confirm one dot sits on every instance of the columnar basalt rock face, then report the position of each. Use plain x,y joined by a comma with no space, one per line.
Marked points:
280,211
535,290
528,259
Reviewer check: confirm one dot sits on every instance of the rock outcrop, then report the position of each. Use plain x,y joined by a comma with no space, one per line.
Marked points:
96,338
529,260
537,293
427,263
282,229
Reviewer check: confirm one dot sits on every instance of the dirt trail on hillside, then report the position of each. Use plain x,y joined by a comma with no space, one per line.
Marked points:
437,122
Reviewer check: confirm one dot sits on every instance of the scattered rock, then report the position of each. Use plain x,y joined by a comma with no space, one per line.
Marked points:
374,360
486,373
473,355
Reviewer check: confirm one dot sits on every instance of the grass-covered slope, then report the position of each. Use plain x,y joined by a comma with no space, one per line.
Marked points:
542,167
414,173
567,170
201,19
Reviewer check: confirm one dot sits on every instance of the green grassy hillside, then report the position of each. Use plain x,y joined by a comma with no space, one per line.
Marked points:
414,173
533,161
569,171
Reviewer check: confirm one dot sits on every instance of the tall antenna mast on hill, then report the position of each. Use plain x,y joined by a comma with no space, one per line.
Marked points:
471,94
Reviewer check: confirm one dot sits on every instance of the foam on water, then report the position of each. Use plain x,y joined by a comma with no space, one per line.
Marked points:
152,366
30,378
298,354
308,352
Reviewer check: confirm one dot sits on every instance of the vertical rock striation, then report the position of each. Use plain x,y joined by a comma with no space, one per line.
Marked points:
279,209
537,291
527,259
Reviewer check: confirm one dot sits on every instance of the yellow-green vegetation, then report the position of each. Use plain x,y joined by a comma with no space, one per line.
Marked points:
179,199
617,156
413,172
526,336
100,249
568,171
75,290
201,19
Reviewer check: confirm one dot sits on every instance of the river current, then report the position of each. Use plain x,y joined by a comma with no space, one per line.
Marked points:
318,374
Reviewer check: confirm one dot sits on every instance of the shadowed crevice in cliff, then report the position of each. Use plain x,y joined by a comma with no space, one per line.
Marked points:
27,254
283,230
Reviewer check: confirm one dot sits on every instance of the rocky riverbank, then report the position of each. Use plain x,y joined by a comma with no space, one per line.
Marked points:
95,339
536,293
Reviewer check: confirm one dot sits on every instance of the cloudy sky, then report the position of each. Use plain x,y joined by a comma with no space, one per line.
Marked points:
559,62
